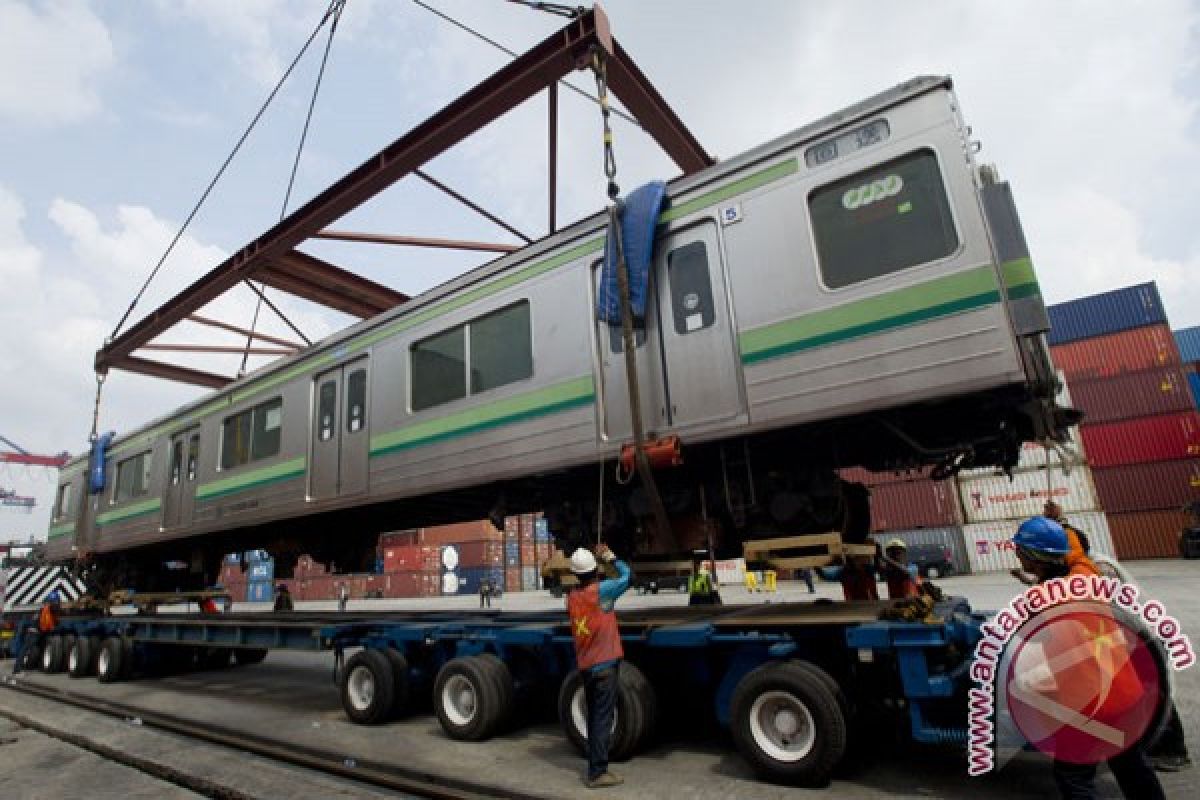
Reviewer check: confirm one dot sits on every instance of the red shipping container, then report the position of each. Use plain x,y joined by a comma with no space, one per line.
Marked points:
420,558
1166,437
460,532
1147,534
412,584
398,538
1133,394
1127,351
1147,487
914,504
528,554
512,579
869,479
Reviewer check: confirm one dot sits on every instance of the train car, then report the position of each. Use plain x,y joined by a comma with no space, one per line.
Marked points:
857,292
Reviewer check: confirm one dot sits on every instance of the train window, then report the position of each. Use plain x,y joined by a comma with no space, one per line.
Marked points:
501,348
691,289
356,401
176,462
133,478
62,504
193,456
326,410
252,434
882,220
439,369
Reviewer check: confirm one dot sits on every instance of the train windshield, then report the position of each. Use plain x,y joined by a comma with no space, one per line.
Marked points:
882,220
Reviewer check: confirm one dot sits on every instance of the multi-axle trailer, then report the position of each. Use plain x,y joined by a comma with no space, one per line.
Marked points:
793,682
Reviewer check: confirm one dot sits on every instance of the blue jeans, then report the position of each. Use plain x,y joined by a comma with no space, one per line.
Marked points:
600,689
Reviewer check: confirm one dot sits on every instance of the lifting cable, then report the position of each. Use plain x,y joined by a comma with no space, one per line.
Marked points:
640,459
336,7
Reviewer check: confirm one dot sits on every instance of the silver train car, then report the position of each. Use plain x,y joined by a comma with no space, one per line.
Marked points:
857,292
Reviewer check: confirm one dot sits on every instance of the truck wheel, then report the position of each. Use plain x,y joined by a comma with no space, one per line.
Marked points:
81,661
788,724
52,655
367,687
633,719
110,661
31,655
506,689
245,656
401,691
466,698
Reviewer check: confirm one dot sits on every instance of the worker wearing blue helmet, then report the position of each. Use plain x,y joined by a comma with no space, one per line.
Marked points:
1042,548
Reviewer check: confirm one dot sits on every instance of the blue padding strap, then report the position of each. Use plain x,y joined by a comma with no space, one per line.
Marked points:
639,219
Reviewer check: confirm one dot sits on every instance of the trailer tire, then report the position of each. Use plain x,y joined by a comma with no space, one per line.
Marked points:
31,656
633,721
401,691
52,655
127,657
788,724
367,687
110,660
466,698
81,661
506,689
246,656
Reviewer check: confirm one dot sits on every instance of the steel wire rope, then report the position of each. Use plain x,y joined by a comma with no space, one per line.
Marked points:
336,6
513,54
221,171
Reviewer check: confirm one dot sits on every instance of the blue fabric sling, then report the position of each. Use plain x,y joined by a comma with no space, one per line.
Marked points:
639,219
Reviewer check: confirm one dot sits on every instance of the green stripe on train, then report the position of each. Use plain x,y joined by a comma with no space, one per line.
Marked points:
1020,281
61,530
135,510
951,294
265,476
560,397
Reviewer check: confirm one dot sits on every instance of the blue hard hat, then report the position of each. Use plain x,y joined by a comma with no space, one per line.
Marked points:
54,597
1042,536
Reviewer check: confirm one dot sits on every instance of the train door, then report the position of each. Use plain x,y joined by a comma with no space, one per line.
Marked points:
340,446
687,370
183,467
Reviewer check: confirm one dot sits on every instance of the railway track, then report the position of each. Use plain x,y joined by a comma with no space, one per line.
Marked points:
392,777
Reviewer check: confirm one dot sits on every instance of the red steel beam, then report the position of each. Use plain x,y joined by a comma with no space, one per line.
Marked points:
516,82
338,280
173,372
216,323
416,241
218,348
29,459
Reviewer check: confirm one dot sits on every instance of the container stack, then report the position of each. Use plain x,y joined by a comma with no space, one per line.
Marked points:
248,576
915,509
471,554
1188,342
1141,429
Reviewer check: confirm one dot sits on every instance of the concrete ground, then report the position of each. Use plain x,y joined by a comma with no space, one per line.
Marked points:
290,695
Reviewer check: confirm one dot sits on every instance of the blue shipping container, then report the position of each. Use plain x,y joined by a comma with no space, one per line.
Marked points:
260,592
1188,341
1108,312
1194,382
469,578
261,571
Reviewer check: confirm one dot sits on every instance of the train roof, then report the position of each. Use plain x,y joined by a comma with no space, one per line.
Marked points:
678,186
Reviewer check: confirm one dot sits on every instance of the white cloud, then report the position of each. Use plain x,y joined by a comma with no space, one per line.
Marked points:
52,56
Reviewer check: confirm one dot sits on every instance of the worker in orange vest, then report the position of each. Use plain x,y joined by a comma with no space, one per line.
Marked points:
1042,547
598,651
48,616
902,579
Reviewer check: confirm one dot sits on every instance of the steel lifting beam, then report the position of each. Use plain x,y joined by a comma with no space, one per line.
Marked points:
539,68
158,369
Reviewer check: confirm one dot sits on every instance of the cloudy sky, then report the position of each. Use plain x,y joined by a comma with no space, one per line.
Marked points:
113,117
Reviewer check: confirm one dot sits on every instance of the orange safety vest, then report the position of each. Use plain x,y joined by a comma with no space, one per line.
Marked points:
859,584
597,638
47,619
1076,556
901,585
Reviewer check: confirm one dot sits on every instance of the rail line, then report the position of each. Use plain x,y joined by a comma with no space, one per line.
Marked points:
416,783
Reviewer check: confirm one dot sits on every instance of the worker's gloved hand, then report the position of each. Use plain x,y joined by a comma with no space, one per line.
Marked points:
604,553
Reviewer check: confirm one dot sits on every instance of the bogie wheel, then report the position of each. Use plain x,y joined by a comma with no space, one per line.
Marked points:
788,723
506,689
466,698
52,655
31,655
246,656
110,660
81,661
633,720
401,691
367,687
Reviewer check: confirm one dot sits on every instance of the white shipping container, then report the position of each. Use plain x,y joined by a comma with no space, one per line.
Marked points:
991,497
731,572
529,579
990,548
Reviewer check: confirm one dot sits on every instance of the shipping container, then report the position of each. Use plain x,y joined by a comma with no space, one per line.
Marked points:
1188,342
469,579
512,554
528,553
886,478
260,592
1193,376
409,558
527,527
1133,394
992,497
398,538
990,549
512,579
531,580
1166,437
914,504
483,553
261,571
1105,356
1148,534
412,584
460,532
1147,487
1105,313
950,538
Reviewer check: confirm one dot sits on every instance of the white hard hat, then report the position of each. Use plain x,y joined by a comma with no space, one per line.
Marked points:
582,561
897,543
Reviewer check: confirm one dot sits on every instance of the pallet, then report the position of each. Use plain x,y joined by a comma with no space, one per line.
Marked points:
781,553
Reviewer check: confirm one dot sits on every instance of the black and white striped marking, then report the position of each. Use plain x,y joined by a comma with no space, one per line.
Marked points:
25,588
